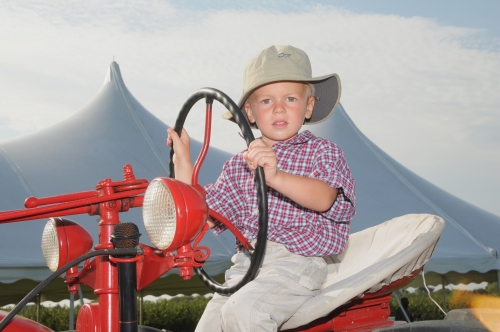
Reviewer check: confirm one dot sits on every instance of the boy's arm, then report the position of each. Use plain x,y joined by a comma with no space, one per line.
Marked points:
182,157
309,192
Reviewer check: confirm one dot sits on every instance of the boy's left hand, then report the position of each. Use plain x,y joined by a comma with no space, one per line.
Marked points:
259,154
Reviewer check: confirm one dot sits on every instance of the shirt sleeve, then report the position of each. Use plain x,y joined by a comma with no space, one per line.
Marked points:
331,167
219,197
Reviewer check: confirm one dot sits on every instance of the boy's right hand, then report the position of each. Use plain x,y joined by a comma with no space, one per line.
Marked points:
182,154
260,154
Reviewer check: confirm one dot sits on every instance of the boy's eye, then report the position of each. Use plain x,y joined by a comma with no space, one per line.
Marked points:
266,101
291,99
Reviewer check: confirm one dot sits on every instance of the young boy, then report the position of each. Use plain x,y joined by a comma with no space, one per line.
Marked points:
311,194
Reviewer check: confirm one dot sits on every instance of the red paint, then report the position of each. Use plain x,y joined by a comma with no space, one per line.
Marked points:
108,200
19,323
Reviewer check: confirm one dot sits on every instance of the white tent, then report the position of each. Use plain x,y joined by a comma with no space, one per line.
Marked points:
115,129
468,248
112,130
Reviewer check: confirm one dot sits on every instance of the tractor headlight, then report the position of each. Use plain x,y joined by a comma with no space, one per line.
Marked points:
62,241
159,214
50,245
173,213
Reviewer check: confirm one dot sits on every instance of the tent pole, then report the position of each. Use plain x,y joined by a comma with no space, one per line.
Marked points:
71,311
498,280
80,294
38,296
444,293
140,308
400,305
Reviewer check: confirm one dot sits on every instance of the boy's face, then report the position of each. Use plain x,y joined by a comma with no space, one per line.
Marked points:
279,109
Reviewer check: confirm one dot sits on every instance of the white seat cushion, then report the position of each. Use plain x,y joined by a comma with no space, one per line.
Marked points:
373,258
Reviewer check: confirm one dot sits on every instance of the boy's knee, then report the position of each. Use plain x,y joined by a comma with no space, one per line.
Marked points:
229,314
233,309
239,315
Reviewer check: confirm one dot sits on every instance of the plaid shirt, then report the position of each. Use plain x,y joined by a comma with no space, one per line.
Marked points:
303,231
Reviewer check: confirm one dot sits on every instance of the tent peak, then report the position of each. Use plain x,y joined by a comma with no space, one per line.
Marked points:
113,74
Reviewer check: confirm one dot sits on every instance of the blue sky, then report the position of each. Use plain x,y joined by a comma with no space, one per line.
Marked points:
419,78
480,14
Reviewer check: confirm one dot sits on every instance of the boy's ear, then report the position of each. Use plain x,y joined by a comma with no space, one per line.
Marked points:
248,111
310,107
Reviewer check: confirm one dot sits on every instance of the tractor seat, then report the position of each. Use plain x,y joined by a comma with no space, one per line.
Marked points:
374,260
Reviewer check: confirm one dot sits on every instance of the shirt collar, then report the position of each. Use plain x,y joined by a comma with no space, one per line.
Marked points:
299,139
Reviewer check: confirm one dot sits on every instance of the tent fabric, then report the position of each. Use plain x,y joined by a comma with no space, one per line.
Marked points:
114,129
373,258
385,189
57,290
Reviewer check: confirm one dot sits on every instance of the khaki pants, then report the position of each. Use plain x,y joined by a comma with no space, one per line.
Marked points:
284,282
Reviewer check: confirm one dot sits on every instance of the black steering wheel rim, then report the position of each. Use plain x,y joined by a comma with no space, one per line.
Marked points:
257,257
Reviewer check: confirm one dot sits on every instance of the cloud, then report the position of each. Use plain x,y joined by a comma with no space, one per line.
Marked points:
421,91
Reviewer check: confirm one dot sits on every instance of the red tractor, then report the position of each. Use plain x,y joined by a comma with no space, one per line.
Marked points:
174,216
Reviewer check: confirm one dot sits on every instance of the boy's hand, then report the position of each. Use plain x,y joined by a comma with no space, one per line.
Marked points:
259,154
182,155
314,194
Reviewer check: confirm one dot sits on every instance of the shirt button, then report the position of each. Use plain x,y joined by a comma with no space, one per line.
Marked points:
256,211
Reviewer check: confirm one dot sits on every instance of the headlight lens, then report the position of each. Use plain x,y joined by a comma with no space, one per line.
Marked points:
50,245
174,213
62,241
159,214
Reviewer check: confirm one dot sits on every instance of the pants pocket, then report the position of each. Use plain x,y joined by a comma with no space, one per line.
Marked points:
314,274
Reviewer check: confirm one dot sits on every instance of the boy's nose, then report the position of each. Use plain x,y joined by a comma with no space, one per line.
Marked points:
279,107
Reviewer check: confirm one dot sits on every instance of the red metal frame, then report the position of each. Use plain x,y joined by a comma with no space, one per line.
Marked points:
19,323
206,144
360,314
108,200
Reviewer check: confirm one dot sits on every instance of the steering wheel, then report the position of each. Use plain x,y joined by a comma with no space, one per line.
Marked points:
258,254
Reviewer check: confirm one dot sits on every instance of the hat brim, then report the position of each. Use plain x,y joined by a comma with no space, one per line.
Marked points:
327,92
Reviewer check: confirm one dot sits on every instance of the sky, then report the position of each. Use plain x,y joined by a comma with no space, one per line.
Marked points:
420,79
